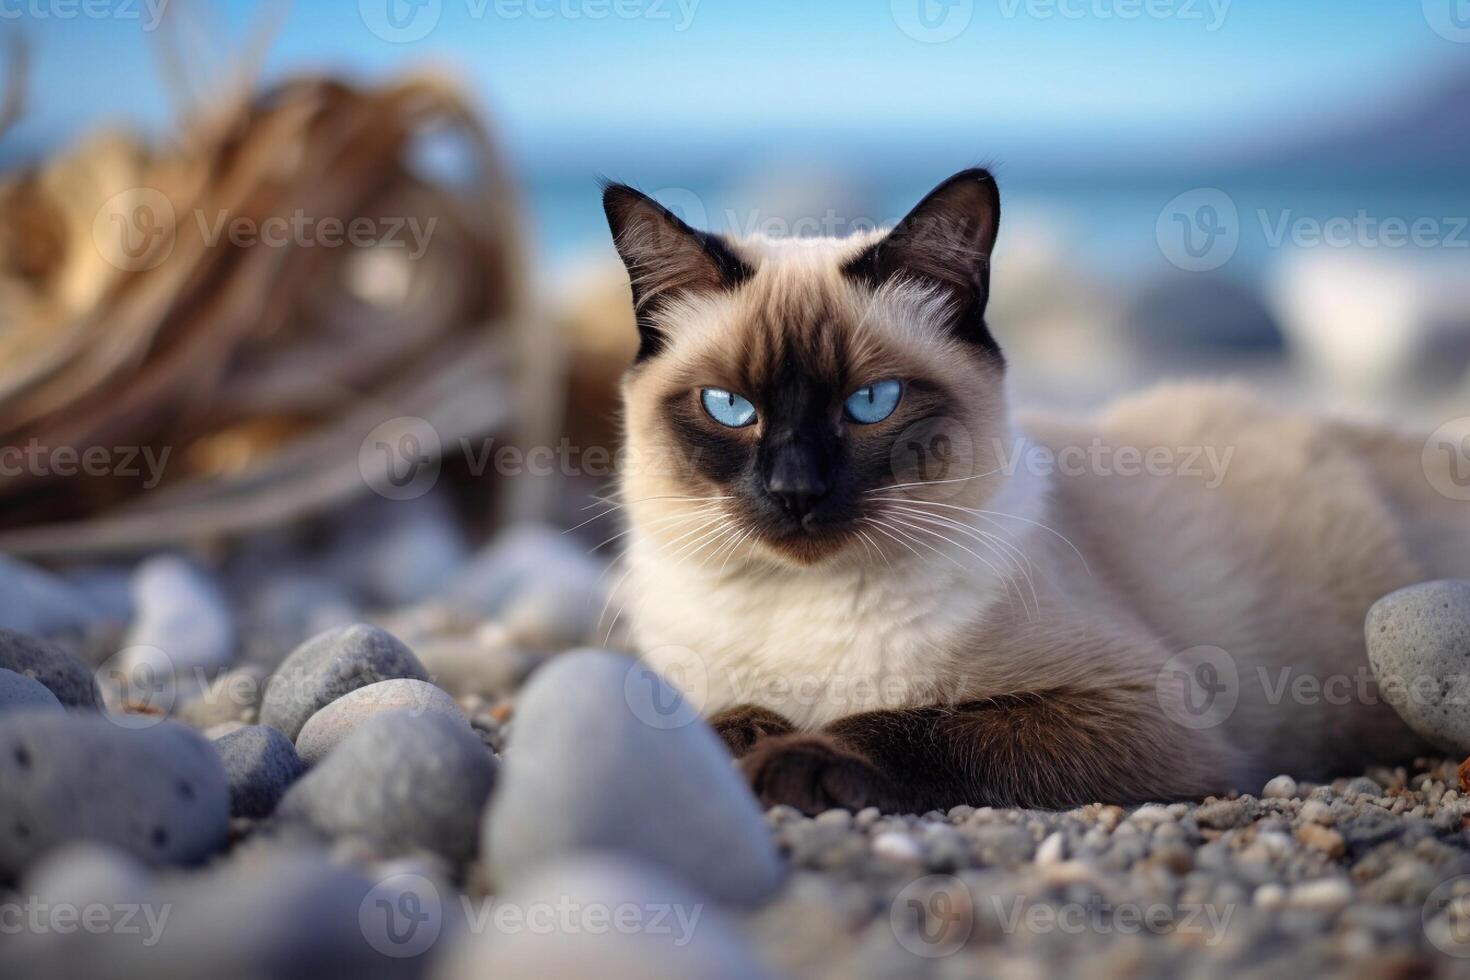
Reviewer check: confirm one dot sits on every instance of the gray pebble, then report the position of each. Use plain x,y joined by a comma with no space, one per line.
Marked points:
591,765
330,665
403,780
17,691
1225,814
1362,786
63,674
324,730
159,793
1419,647
261,765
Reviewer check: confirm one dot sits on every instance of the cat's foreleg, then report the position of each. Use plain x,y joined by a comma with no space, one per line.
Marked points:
741,727
1048,749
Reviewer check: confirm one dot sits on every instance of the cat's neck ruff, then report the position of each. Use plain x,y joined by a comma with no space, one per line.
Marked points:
816,644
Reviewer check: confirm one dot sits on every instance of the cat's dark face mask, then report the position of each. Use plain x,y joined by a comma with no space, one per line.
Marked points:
798,412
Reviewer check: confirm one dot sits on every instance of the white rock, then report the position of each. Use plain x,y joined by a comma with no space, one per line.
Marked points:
1269,896
1279,788
1053,850
182,623
1323,894
1418,639
895,846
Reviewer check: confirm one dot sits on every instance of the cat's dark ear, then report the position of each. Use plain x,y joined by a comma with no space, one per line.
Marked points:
946,240
665,258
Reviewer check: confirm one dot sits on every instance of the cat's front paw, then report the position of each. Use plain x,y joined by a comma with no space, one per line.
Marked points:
812,773
741,728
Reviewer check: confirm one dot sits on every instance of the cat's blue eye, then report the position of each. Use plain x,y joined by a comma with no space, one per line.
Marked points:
727,408
874,402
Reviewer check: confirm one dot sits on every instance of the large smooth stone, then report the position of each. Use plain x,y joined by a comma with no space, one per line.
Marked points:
158,793
183,622
330,665
18,691
63,674
1419,647
592,766
627,922
326,729
261,764
405,781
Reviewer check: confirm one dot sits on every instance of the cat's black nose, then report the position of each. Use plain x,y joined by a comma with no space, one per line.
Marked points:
796,482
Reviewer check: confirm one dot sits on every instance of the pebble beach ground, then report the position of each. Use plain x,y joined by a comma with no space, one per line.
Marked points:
386,763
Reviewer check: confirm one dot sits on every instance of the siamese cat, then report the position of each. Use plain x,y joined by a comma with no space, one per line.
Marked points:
882,588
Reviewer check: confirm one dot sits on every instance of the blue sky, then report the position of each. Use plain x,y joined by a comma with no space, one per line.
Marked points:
1080,73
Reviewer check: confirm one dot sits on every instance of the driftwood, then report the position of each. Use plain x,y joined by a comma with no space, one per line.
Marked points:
209,299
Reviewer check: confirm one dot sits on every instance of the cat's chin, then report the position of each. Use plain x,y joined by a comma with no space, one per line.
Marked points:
807,549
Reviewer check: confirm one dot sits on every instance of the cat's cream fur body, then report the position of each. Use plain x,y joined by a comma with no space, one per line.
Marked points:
1312,522
1097,579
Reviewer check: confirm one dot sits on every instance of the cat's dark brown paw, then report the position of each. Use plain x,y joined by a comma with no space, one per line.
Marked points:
742,727
812,773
